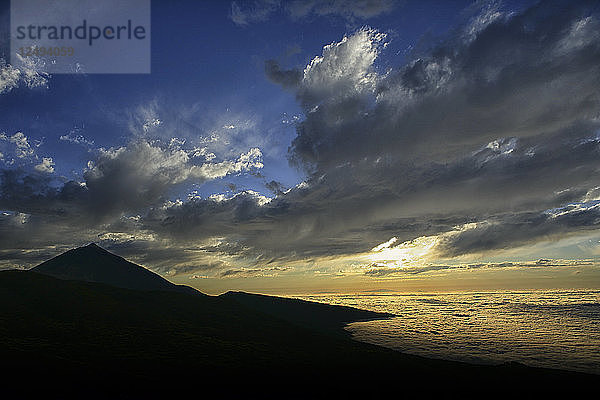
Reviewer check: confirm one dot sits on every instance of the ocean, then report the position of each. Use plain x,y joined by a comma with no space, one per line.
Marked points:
554,329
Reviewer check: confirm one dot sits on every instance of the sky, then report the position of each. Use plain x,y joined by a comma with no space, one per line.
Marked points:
320,146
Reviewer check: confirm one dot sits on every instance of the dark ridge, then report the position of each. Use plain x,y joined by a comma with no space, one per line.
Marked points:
323,317
92,263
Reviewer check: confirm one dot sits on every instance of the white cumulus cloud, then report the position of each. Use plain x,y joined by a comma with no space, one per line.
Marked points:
47,165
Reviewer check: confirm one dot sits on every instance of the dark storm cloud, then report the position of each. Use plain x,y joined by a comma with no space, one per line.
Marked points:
518,229
352,208
202,218
125,179
275,187
286,78
520,76
500,118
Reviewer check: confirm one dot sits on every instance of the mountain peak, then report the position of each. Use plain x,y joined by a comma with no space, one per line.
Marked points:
92,263
89,247
94,248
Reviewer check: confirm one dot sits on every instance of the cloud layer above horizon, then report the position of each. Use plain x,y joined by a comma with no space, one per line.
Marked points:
488,141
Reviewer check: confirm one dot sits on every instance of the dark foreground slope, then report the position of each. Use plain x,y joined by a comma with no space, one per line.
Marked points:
325,318
61,338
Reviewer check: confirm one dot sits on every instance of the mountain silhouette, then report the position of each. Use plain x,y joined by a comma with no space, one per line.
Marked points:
92,263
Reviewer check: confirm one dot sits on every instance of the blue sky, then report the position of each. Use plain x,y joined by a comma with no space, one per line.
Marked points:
438,127
208,71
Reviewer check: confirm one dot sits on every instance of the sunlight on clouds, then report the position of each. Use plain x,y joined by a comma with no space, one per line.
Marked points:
416,252
385,245
405,254
47,165
246,161
345,66
123,237
259,198
203,152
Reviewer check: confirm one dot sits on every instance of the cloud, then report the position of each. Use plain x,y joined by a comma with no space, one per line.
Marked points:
378,271
499,232
140,174
252,272
489,141
286,78
200,218
22,147
503,83
500,118
145,119
74,137
246,13
30,73
116,180
521,229
502,173
385,245
246,161
345,70
275,187
47,165
19,154
9,77
351,10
